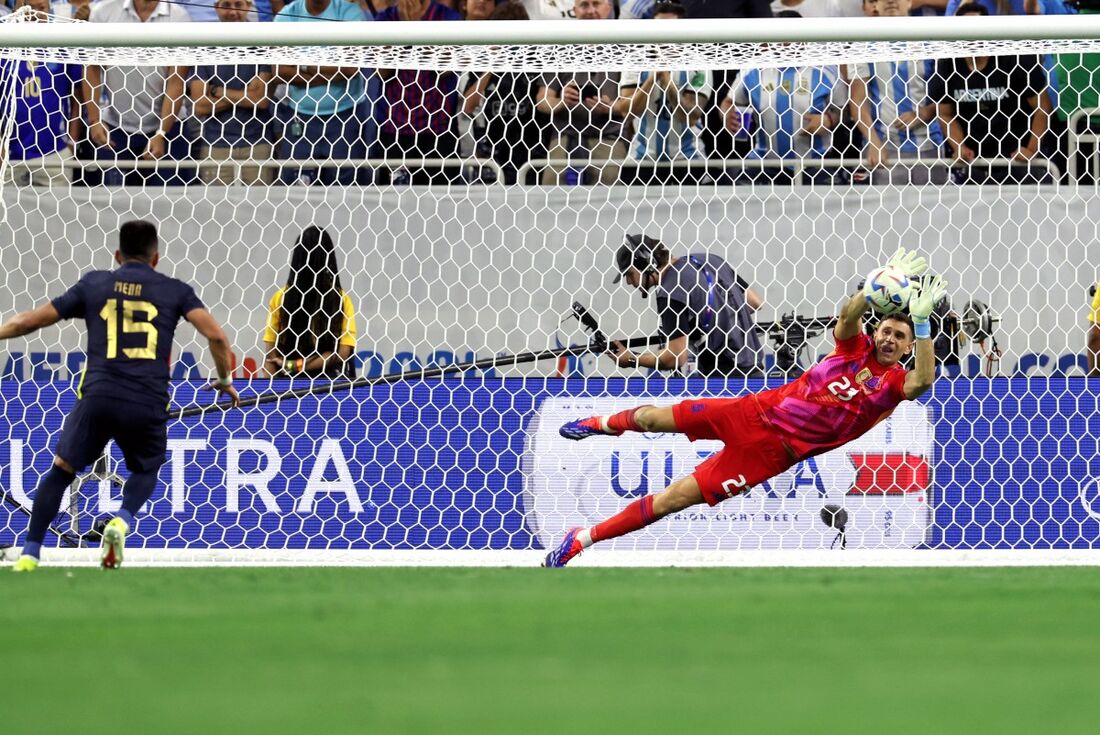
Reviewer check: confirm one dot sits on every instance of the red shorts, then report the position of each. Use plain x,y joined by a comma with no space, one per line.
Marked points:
753,453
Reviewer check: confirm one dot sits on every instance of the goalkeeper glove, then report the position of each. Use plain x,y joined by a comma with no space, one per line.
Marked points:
908,262
923,302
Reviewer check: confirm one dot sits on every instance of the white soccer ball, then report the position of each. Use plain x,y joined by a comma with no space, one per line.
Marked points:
887,290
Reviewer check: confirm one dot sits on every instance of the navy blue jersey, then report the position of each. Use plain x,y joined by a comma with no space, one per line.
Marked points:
131,315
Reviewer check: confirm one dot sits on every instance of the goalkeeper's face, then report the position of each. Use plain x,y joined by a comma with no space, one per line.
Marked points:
893,341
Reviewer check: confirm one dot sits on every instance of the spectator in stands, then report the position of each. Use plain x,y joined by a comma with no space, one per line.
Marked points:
202,11
47,115
728,8
479,9
1077,76
75,10
205,11
991,107
233,104
790,109
666,108
891,108
507,131
580,105
716,141
550,9
421,104
1013,7
325,114
927,7
808,8
133,111
310,329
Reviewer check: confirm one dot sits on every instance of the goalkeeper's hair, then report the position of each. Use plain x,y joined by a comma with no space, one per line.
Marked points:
137,239
900,317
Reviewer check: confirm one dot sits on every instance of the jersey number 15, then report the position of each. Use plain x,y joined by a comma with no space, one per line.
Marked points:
110,315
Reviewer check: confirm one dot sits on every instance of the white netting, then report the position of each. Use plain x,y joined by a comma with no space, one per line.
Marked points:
471,193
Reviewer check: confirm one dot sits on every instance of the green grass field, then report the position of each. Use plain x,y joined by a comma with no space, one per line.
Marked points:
539,651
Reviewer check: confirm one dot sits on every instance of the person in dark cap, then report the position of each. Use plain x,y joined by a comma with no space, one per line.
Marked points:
705,308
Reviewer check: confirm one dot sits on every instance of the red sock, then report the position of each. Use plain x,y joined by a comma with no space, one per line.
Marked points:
638,514
624,421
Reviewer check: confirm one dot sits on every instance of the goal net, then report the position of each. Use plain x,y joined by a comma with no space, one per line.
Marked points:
394,222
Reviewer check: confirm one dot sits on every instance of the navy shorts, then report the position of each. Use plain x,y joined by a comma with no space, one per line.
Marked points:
140,431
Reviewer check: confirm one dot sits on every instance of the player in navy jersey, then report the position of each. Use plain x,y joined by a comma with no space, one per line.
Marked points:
131,314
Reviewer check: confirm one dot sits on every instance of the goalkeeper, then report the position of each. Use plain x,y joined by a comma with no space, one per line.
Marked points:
837,400
131,314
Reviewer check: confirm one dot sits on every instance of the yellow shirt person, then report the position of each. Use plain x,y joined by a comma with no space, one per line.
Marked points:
345,345
1092,340
310,329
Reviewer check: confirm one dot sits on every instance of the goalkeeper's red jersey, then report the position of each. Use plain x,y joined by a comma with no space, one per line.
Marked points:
838,399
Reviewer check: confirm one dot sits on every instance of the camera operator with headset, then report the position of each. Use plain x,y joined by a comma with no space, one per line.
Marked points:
705,310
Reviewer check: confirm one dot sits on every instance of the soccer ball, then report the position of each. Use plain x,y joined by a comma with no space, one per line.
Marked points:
887,290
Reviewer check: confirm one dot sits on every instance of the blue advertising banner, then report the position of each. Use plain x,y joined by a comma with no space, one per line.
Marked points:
475,464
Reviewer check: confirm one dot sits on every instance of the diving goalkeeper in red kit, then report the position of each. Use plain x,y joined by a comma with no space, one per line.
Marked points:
840,398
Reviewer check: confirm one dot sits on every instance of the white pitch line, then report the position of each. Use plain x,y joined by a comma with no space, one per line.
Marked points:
593,558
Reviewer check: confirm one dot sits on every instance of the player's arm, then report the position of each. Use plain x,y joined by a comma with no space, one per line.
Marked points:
677,322
29,321
219,350
920,378
850,322
672,356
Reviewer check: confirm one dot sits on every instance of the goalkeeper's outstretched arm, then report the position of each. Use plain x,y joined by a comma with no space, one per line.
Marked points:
921,304
850,322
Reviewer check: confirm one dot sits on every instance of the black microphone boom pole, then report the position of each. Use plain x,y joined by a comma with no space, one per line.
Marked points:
420,374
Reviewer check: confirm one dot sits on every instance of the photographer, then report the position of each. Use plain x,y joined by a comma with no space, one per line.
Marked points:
705,309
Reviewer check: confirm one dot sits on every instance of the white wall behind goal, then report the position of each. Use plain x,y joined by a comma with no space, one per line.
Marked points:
467,272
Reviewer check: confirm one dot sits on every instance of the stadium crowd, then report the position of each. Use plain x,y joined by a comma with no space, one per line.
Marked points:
968,119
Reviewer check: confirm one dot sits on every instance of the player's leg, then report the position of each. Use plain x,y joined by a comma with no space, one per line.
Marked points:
701,418
143,440
641,418
752,454
82,440
681,494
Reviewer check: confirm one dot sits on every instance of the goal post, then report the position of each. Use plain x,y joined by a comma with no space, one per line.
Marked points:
412,417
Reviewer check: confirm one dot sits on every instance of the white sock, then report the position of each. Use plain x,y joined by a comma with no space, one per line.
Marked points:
585,537
604,427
